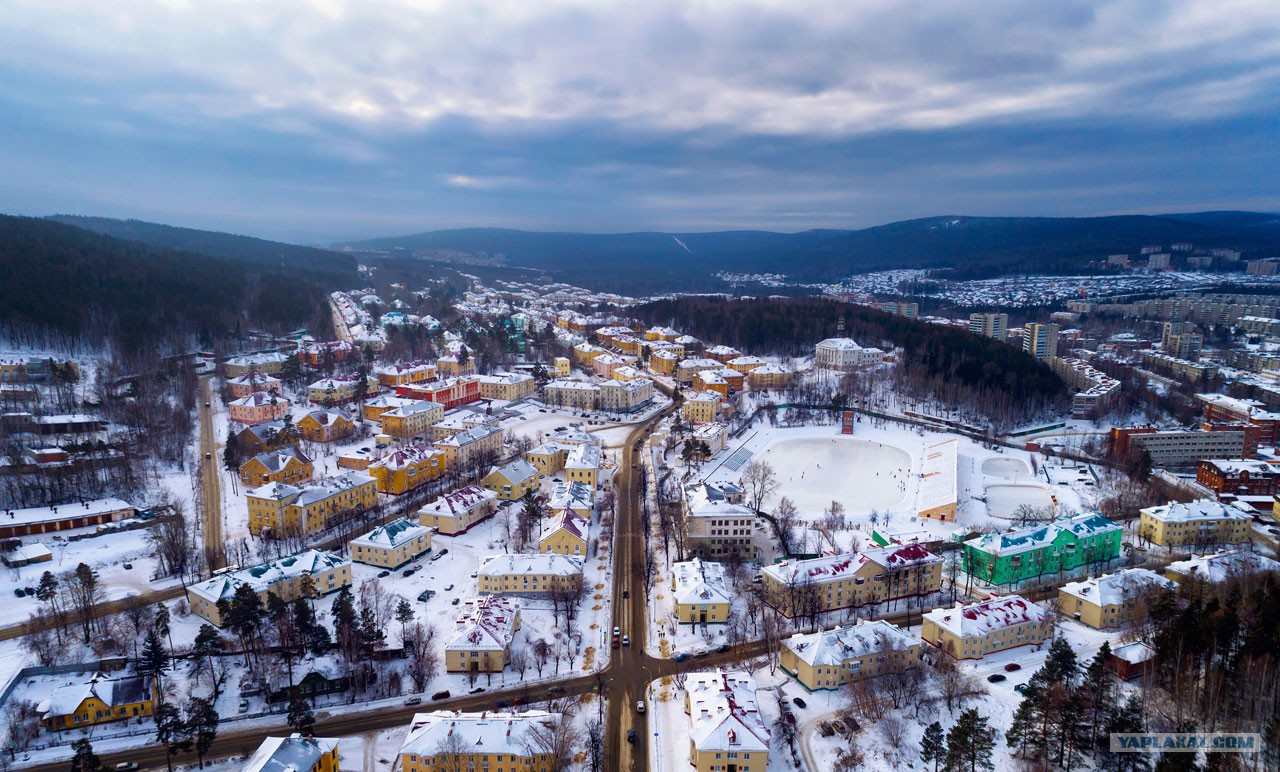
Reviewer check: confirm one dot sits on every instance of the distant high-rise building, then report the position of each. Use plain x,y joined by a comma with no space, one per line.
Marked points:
1263,267
900,308
1177,340
989,325
1120,260
1158,261
1040,340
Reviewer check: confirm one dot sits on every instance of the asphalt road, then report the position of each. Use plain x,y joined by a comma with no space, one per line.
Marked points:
210,489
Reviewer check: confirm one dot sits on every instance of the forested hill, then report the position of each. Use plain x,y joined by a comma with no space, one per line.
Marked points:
971,246
137,296
259,252
940,357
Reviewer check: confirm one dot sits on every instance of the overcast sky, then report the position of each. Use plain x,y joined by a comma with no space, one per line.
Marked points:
335,119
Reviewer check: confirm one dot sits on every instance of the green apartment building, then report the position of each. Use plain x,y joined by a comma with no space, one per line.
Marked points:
1030,553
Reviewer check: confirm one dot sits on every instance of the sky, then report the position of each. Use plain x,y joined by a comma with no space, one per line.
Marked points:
331,120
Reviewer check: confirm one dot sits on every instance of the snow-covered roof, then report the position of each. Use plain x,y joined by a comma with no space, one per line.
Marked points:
275,460
706,396
407,407
516,471
1236,466
125,690
289,754
938,476
486,623
1026,539
469,436
1134,653
1219,566
391,535
1114,589
702,499
64,511
700,581
1204,509
840,344
979,619
723,713
530,564
258,399
328,416
262,577
830,568
29,553
571,496
564,383
408,456
1249,407
496,733
583,457
833,647
568,522
461,500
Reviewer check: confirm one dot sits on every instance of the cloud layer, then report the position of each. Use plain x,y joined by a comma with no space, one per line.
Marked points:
344,118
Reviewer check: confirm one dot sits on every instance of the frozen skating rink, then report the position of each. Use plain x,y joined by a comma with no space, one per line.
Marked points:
858,473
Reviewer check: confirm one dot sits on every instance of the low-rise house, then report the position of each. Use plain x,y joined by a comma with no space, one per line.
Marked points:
286,578
444,741
979,629
1131,660
512,481
258,408
373,409
271,362
27,554
582,465
341,389
280,509
829,659
1030,553
286,465
414,418
1195,523
245,385
702,408
329,424
407,372
726,729
575,498
294,754
272,435
63,517
700,591
627,396
408,468
565,534
663,361
1112,600
456,512
481,641
714,436
817,585
507,386
1220,567
391,545
99,700
578,395
717,525
529,574
723,354
470,446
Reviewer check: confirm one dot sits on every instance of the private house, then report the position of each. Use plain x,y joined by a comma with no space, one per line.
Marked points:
805,587
278,509
470,446
1112,600
294,754
829,659
408,468
456,512
286,578
700,592
511,481
578,395
1063,545
248,384
538,574
565,534
99,700
258,408
329,424
1195,524
63,517
272,435
979,629
507,386
444,741
287,465
702,408
726,730
1219,567
412,419
391,545
482,639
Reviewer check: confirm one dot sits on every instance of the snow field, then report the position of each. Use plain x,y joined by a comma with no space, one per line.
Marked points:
861,474
1004,499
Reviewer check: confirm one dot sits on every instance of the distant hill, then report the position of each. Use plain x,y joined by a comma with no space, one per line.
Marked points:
136,296
259,252
969,245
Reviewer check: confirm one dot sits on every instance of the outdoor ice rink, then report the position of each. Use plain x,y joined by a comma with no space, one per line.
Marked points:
813,471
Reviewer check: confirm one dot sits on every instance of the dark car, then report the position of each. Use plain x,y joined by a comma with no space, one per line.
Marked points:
455,601
476,690
681,657
722,648
1012,667
626,593
32,591
631,735
440,695
448,587
556,690
995,678
799,703
1020,688
383,573
19,592
128,566
409,572
503,704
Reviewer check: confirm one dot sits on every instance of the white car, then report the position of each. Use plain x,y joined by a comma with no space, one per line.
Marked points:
639,706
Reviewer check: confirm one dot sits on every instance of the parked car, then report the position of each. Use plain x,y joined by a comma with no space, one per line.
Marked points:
639,706
502,704
799,703
1012,667
19,592
409,572
448,587
455,601
32,591
127,766
441,695
128,566
995,678
631,735
617,631
437,556
413,701
382,574
244,706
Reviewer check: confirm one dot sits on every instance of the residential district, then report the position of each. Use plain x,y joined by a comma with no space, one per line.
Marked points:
606,544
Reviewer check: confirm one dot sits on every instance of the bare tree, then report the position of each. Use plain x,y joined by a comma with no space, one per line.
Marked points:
760,482
556,739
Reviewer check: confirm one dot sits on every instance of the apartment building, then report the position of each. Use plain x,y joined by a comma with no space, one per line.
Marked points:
465,448
408,468
1196,523
99,700
294,754
1040,340
829,659
702,408
278,509
271,363
686,369
717,525
482,638
445,741
1178,447
1112,600
1029,553
392,545
328,424
456,512
566,534
726,730
817,585
770,377
625,396
286,465
532,574
506,386
245,385
341,389
1220,566
978,629
701,592
1221,409
578,395
257,408
1238,477
844,354
994,326
419,371
286,578
512,481
412,419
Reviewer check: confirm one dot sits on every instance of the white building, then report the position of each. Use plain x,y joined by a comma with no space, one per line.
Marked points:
844,354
